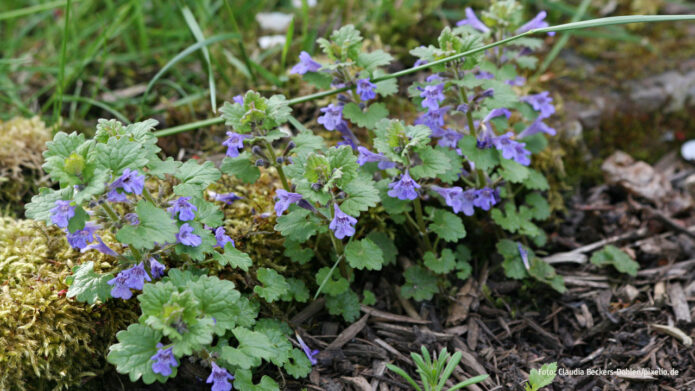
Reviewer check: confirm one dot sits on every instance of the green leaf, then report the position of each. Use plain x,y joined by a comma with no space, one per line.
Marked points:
94,185
306,142
296,253
132,353
87,285
371,61
543,377
387,87
441,265
364,254
335,285
388,248
298,225
420,284
216,298
120,153
343,165
540,210
241,167
536,181
452,173
346,304
322,80
298,366
368,298
195,177
434,162
237,358
513,171
41,204
253,343
233,257
611,255
207,213
78,221
365,118
277,333
446,225
484,159
362,195
243,381
513,264
274,285
297,292
160,168
544,272
463,256
156,226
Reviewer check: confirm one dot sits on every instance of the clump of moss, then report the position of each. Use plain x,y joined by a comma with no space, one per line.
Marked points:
48,341
22,141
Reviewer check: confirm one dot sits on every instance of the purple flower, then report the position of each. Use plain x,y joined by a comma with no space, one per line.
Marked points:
156,268
227,198
220,378
114,195
457,199
120,289
433,77
62,213
433,95
342,224
222,237
164,360
419,62
473,21
183,208
543,103
511,149
517,81
538,126
99,246
404,188
136,276
285,199
234,143
80,239
433,119
450,139
486,136
366,89
537,22
132,218
486,198
310,354
130,182
306,64
524,255
484,75
187,237
332,117
238,99
367,156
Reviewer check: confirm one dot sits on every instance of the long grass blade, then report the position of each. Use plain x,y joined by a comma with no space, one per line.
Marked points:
58,105
288,43
564,38
18,13
601,22
200,37
242,48
101,105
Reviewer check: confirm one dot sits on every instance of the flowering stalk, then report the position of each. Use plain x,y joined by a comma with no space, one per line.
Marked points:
278,166
421,223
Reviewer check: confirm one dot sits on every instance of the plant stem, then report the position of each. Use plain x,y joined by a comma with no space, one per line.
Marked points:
278,166
148,196
421,223
114,217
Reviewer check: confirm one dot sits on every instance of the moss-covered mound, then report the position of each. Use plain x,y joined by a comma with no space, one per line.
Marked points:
48,341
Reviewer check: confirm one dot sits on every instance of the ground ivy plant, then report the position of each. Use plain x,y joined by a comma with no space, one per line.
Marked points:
463,162
168,237
462,166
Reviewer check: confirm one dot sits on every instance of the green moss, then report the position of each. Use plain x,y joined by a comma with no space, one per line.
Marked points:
46,340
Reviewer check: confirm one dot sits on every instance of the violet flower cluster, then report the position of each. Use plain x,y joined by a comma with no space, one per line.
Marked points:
465,201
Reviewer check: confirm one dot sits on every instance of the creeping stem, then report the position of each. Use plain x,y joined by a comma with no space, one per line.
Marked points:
278,166
421,223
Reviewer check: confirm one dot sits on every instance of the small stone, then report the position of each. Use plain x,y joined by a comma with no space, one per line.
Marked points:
628,293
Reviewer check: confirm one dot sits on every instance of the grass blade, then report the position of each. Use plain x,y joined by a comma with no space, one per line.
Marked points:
288,43
601,22
183,54
200,37
58,105
469,382
18,13
101,105
242,48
